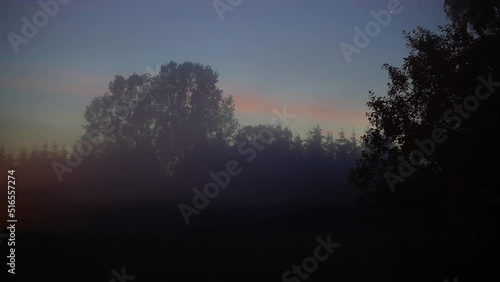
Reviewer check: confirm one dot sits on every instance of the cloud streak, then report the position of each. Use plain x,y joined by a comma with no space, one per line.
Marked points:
61,82
254,102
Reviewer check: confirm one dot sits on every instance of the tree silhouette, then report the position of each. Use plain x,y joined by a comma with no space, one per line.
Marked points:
481,15
432,140
426,94
314,143
23,157
166,114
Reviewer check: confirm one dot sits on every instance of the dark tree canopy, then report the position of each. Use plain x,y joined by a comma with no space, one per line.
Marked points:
483,16
165,114
430,155
427,93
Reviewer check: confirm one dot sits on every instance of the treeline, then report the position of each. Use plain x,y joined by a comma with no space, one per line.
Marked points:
276,153
33,164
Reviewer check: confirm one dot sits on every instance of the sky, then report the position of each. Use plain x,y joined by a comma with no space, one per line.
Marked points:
269,54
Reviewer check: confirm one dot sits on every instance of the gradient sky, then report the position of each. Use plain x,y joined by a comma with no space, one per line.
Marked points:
269,53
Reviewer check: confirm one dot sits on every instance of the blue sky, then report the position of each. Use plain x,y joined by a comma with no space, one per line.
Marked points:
269,53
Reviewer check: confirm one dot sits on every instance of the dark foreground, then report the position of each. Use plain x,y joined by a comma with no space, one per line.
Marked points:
59,242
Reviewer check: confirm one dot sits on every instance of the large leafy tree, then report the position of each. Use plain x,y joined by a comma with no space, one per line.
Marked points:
440,72
483,16
446,193
165,114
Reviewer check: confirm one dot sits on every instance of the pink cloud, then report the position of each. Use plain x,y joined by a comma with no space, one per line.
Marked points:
255,101
248,105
